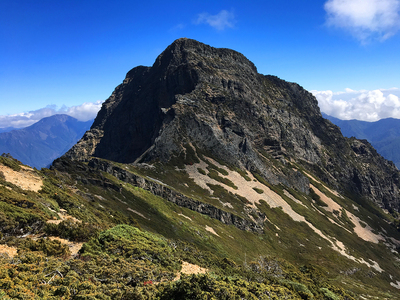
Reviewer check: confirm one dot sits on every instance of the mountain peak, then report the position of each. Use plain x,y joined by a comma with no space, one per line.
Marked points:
190,51
212,100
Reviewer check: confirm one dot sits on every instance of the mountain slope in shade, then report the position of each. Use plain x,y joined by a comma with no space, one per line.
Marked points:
384,135
39,144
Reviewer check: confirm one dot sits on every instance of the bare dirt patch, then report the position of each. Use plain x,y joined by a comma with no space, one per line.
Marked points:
10,251
189,269
63,216
363,232
26,178
74,247
182,215
396,285
247,189
138,213
210,229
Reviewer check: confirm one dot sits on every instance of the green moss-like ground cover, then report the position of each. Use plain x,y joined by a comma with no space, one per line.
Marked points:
124,262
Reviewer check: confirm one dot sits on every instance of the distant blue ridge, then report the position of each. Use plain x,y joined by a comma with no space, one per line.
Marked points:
41,143
384,135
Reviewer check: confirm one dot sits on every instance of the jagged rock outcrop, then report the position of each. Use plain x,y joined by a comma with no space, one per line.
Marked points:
215,100
157,189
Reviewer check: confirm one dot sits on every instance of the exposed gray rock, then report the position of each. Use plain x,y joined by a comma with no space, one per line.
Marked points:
171,195
215,100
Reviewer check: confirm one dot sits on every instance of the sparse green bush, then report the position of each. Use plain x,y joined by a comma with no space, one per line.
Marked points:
186,157
243,199
259,191
74,231
201,171
47,246
214,175
243,173
316,198
9,161
211,166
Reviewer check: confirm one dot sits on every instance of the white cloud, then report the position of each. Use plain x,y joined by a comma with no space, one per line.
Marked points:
84,112
177,27
365,19
360,105
224,19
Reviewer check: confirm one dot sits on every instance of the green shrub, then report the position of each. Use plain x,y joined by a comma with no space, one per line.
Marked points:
205,286
130,242
260,191
214,175
74,231
9,161
47,246
201,171
316,198
300,288
328,294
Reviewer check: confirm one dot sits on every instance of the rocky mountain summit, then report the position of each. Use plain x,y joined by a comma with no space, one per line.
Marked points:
216,101
201,161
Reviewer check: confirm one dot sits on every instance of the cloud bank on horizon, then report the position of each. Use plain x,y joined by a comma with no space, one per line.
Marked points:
85,112
362,105
366,20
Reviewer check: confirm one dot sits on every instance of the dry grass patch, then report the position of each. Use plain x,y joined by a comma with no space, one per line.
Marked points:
26,178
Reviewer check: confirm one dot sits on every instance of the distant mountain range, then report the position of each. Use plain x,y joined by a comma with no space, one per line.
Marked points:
7,129
384,135
39,144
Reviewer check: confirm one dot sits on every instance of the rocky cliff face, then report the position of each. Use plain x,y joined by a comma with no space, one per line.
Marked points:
216,101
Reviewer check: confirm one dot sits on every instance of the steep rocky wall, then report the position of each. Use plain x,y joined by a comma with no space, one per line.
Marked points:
215,100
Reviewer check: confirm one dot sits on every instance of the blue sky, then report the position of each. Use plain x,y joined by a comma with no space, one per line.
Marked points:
67,56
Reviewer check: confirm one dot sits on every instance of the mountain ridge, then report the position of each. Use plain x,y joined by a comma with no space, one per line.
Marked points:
39,144
234,172
384,135
215,99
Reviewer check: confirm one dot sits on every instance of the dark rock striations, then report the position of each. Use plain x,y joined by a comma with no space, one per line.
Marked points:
214,100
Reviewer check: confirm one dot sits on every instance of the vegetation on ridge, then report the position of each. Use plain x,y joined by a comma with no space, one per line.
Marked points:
121,261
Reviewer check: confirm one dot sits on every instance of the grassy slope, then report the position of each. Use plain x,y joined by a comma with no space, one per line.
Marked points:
104,206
